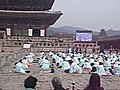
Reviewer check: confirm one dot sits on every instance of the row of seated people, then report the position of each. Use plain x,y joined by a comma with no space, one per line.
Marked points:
100,64
76,63
24,64
30,83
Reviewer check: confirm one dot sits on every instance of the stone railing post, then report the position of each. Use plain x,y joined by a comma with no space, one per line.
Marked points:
0,45
0,63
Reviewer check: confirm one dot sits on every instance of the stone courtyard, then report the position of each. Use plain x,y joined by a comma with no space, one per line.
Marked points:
9,80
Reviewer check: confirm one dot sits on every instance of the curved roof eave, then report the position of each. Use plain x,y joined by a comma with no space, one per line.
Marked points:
19,4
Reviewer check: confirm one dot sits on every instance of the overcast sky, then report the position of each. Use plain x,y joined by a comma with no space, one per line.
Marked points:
89,14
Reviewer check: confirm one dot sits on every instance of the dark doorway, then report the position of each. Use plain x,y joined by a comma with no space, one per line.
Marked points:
2,29
2,32
1,35
36,32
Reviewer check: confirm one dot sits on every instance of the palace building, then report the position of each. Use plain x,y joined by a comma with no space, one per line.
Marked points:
107,42
27,17
26,22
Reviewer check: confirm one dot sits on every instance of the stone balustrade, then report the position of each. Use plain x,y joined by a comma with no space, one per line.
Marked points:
45,43
49,39
15,43
8,59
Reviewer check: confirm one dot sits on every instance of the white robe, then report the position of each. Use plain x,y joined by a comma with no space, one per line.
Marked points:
80,56
50,53
100,70
25,63
107,65
45,65
59,60
91,60
75,60
20,68
32,54
63,55
87,65
74,68
65,65
30,58
118,70
82,61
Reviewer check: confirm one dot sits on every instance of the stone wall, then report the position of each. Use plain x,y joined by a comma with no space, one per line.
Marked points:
15,43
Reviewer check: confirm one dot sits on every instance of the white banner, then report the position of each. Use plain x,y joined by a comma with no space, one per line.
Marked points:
42,32
26,46
30,32
8,30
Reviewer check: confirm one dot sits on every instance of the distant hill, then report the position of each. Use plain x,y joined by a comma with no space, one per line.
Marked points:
72,30
111,32
64,29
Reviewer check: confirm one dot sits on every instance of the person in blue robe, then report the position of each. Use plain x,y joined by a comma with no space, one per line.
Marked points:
118,69
20,68
45,65
107,64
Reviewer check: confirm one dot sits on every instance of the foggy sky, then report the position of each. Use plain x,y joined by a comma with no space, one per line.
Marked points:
89,14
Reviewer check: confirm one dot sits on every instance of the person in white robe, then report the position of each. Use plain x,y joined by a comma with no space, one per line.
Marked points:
59,61
82,61
87,65
69,50
65,65
100,69
50,53
91,60
40,62
74,68
63,54
29,58
115,64
32,54
75,60
55,57
96,64
25,63
60,54
68,58
80,55
100,59
41,54
118,69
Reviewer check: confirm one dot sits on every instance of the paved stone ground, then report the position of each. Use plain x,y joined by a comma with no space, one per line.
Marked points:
14,81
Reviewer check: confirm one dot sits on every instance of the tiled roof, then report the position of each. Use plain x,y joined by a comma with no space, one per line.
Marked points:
108,38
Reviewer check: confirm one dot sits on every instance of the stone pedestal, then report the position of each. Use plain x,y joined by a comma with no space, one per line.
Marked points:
0,45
